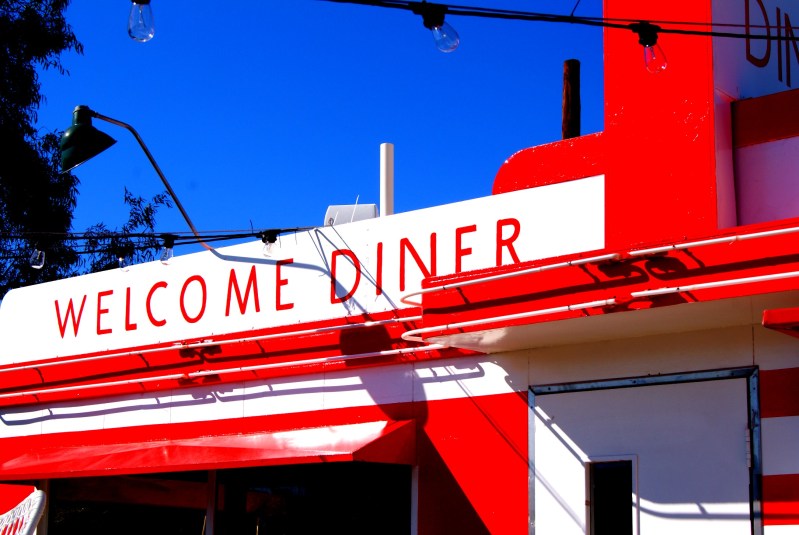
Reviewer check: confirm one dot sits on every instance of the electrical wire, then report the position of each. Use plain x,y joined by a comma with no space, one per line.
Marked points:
617,23
81,240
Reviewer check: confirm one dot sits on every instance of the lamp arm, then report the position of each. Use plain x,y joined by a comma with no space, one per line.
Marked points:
157,170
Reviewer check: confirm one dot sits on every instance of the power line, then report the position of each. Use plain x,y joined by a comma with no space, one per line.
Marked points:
664,26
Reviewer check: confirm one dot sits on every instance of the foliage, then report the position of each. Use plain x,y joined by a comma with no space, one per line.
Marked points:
134,242
36,200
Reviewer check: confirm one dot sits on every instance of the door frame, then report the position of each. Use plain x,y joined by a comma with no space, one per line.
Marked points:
751,375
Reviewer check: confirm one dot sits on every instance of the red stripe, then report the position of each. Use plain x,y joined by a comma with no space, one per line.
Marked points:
779,393
764,119
171,366
11,495
781,500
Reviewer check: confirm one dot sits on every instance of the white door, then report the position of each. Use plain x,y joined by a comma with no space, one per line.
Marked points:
687,444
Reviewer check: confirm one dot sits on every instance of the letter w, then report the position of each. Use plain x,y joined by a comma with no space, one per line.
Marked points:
233,285
70,314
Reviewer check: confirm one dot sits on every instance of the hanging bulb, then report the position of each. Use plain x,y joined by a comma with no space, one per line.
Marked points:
654,58
37,259
444,35
141,26
169,248
124,253
269,237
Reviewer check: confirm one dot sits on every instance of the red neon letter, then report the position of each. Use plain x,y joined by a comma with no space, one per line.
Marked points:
405,244
333,282
233,284
70,313
101,311
460,251
279,281
157,323
199,315
758,62
507,242
790,40
129,325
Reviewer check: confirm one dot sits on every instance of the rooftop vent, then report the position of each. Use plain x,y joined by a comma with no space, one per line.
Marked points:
338,214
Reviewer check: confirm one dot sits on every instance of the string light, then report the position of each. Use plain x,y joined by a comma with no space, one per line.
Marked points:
36,259
655,59
269,237
444,35
168,251
90,243
124,253
141,25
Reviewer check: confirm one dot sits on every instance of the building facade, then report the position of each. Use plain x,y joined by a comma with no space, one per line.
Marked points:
607,344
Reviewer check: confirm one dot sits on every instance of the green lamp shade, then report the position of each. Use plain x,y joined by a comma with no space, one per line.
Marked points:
82,141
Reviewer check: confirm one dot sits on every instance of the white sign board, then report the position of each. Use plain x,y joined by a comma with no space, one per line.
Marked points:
323,273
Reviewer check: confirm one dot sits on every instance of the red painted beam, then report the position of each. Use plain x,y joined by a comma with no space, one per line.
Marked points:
705,272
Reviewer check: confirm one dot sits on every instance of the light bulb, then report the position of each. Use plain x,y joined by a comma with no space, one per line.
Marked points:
270,248
445,37
124,263
270,237
37,259
168,251
141,26
654,59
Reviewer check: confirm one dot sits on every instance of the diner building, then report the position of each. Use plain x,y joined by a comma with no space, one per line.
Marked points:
606,344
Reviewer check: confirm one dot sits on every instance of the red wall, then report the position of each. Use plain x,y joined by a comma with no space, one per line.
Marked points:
657,150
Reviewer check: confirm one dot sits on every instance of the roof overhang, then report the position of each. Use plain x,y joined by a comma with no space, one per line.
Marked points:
685,317
710,283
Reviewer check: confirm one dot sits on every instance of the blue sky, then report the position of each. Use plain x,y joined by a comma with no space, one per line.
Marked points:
261,114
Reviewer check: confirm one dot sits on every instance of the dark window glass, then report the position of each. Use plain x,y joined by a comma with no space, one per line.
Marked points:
611,501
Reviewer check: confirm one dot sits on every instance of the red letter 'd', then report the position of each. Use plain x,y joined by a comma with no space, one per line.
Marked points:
333,283
758,62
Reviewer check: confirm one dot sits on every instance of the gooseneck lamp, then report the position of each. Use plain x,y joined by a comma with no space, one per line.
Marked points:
82,141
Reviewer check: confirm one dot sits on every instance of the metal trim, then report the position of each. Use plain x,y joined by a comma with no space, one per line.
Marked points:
752,376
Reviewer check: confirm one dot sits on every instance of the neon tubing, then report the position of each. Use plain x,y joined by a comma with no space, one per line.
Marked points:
602,258
615,256
209,343
205,373
716,284
411,336
712,241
